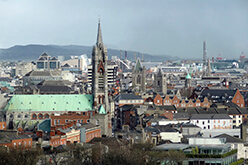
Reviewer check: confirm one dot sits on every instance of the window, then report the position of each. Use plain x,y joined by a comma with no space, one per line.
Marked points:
58,121
84,113
208,126
208,121
34,116
3,125
82,121
20,143
237,101
203,122
157,101
55,122
25,143
40,116
66,121
14,144
88,121
29,143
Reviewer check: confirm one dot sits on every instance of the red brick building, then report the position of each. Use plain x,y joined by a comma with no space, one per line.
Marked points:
11,139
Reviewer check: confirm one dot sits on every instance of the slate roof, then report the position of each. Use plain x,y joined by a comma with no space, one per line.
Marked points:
210,116
63,89
166,128
126,107
44,73
181,116
55,83
230,139
151,129
167,107
155,118
8,136
218,94
128,97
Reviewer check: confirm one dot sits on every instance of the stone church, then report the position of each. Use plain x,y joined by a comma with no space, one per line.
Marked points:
160,82
138,78
100,86
99,72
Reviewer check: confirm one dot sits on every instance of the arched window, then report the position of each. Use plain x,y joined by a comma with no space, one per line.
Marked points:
99,99
46,116
40,116
139,79
34,116
103,98
19,116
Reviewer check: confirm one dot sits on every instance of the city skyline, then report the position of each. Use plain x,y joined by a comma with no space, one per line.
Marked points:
175,28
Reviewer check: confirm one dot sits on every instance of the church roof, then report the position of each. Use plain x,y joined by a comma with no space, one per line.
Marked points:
188,76
138,66
75,102
102,110
99,35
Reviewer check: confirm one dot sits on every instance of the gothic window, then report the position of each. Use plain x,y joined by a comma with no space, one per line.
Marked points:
103,98
34,116
101,71
46,116
40,116
139,79
99,99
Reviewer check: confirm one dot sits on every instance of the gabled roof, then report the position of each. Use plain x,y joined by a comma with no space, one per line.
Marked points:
102,110
218,92
229,139
210,116
188,76
44,54
128,97
54,58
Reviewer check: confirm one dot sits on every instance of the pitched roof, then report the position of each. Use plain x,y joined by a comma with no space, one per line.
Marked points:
218,92
229,139
128,97
102,110
75,102
8,136
210,116
138,66
188,76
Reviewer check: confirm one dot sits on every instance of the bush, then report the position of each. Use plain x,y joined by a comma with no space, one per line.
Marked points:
240,161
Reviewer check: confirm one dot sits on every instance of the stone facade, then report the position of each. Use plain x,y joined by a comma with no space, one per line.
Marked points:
99,73
160,82
138,78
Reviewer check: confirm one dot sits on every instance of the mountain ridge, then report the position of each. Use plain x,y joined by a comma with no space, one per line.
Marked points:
31,52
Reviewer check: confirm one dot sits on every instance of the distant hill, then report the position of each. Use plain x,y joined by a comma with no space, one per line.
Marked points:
32,52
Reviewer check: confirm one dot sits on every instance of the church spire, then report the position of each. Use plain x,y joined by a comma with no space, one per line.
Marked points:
99,34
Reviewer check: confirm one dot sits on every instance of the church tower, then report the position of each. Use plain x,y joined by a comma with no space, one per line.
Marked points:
160,82
99,73
138,77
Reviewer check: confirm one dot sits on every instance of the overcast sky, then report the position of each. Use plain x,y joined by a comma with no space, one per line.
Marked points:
171,27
